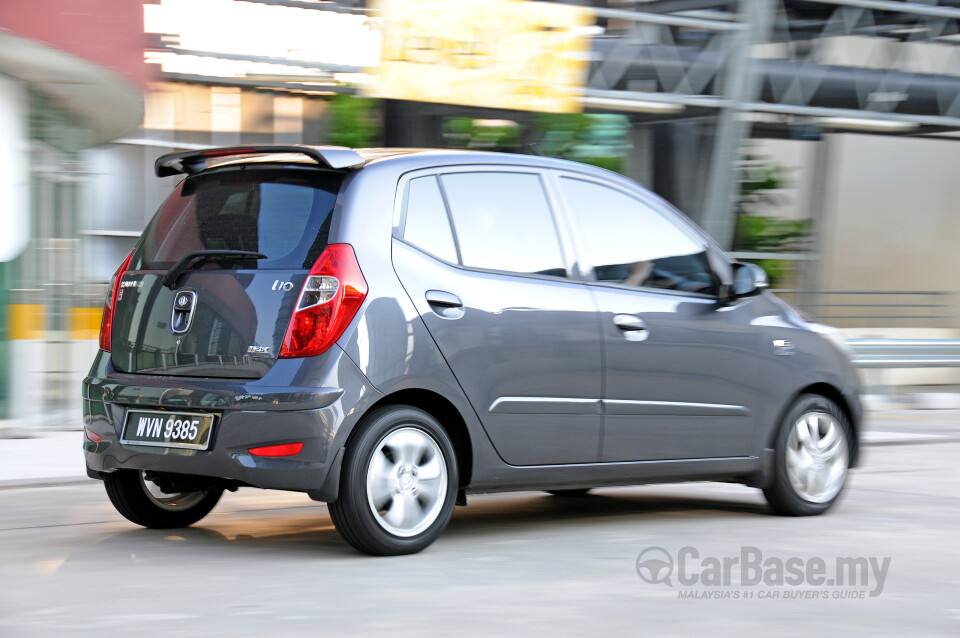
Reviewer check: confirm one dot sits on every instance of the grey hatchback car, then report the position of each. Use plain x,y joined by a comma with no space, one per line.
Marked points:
391,330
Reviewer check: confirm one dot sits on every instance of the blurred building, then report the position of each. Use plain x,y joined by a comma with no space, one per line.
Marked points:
849,110
71,76
225,72
857,101
84,117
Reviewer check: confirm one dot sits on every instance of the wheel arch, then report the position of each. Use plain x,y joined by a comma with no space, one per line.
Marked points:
827,391
450,419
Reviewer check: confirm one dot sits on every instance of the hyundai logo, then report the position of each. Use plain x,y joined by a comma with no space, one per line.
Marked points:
182,315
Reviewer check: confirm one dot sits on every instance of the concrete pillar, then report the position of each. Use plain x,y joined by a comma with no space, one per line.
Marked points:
741,83
640,161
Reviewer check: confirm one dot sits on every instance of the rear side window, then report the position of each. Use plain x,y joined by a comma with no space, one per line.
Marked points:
284,215
503,222
427,226
630,243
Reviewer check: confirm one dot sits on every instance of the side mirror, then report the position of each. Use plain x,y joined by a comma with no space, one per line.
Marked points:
748,279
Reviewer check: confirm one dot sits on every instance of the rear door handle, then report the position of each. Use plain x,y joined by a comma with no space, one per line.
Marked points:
441,299
634,328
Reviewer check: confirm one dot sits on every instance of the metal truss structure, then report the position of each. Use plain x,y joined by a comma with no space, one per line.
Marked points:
895,64
782,68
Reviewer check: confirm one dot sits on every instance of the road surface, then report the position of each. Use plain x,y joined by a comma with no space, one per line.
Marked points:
270,563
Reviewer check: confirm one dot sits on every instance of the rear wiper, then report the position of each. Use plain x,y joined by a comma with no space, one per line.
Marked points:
198,257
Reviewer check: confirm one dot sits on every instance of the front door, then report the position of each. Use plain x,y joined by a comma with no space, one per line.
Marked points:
682,391
677,366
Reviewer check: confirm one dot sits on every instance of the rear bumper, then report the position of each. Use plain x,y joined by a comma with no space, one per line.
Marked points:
228,458
249,414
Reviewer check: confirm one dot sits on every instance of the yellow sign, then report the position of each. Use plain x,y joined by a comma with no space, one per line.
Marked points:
509,54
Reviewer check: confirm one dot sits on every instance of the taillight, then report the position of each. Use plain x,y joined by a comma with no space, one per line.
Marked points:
329,300
106,323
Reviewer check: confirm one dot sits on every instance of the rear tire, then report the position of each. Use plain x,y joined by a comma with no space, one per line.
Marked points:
398,485
811,458
140,501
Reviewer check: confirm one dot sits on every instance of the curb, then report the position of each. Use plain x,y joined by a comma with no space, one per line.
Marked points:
56,481
874,401
869,439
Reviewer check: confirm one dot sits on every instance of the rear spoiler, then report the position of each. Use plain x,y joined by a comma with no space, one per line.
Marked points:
335,157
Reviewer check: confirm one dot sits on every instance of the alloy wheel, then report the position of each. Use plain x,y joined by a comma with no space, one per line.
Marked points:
406,481
816,456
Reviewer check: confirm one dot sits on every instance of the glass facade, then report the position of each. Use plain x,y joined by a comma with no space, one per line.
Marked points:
43,300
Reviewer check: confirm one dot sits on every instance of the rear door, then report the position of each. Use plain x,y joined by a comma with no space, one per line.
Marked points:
238,309
681,372
481,258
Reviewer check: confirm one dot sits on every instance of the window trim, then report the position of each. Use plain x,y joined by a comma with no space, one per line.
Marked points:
675,218
567,254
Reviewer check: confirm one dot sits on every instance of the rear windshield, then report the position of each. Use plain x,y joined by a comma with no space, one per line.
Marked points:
283,214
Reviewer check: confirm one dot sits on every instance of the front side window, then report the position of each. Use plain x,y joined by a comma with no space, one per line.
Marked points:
503,222
630,243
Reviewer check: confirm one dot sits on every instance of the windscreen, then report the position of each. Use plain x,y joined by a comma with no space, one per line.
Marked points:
283,214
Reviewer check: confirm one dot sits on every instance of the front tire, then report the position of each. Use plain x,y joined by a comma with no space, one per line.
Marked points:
140,501
811,458
399,483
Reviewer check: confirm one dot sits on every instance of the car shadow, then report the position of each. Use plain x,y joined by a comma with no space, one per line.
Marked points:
484,516
306,532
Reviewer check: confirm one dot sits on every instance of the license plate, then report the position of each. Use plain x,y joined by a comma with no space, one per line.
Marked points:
168,429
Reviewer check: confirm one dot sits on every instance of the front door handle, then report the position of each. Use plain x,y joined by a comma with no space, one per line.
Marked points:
633,328
629,322
441,299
